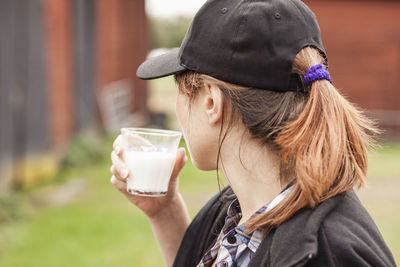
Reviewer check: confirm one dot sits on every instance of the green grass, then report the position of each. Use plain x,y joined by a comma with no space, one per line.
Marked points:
385,161
101,228
381,197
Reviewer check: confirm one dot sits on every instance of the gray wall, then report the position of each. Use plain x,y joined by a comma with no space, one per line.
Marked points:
23,101
84,45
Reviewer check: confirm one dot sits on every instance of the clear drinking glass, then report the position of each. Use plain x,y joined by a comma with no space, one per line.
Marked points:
149,154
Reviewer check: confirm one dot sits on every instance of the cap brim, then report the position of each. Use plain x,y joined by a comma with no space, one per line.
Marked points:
160,66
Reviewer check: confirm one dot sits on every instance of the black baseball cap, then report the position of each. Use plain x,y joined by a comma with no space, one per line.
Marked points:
247,42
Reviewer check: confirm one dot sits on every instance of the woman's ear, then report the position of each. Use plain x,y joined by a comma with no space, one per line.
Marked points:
213,103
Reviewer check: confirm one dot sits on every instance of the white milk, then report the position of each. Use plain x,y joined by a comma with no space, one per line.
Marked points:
149,172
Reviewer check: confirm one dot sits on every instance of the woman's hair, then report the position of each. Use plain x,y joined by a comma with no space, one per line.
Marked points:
322,139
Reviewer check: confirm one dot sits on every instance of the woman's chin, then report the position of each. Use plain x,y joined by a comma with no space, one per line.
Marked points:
203,166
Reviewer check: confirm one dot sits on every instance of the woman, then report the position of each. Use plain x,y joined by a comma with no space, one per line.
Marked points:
256,101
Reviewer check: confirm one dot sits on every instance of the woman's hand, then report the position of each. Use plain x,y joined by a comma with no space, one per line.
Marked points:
151,206
168,215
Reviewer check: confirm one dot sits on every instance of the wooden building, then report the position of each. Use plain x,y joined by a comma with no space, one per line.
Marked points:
67,66
362,40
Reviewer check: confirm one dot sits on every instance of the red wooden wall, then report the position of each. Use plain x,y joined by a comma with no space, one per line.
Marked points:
59,55
362,39
120,46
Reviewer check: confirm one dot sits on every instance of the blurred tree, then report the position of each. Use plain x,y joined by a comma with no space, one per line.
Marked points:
168,32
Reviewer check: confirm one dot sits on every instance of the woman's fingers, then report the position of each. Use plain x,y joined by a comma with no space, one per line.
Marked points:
118,143
118,168
180,161
115,172
120,185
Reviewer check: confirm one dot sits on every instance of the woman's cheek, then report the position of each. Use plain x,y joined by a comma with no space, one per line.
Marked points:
201,155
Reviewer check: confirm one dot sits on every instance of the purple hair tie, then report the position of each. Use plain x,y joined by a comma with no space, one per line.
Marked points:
316,72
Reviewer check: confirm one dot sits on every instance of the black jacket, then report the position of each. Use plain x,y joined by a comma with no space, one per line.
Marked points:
338,232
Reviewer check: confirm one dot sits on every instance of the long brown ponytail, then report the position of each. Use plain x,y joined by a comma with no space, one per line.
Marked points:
325,147
322,138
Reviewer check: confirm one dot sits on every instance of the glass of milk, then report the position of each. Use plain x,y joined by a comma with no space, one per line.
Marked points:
150,156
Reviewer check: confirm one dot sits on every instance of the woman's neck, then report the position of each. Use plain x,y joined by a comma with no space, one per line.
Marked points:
252,170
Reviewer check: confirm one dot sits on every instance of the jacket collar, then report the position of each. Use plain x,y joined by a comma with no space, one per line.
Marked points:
295,241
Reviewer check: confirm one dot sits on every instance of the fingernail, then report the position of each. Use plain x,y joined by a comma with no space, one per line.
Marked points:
117,150
124,173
